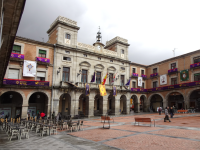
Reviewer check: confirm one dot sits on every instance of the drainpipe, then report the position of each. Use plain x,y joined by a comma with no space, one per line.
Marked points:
54,54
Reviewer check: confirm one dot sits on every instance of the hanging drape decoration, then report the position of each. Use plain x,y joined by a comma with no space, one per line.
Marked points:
87,89
29,69
163,79
139,81
114,91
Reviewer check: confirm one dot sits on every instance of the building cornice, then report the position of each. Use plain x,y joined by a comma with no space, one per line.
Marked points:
117,41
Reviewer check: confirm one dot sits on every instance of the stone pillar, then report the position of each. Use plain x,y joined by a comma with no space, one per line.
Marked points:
49,110
91,108
24,112
56,106
137,108
116,105
103,105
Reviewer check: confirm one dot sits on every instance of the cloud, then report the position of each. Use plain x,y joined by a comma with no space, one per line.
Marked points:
153,28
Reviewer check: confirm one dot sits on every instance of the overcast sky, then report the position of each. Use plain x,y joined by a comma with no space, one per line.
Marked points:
153,28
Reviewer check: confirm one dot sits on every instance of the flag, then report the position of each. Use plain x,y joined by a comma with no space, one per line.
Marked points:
184,75
113,79
29,69
163,79
102,90
114,91
104,80
127,84
93,78
87,89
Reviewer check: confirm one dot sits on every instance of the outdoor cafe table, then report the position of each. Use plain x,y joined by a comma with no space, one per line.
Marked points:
49,126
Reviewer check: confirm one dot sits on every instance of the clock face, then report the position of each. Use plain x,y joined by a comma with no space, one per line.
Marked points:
98,47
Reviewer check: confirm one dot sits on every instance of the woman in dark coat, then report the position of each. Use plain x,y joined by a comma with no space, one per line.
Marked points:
171,111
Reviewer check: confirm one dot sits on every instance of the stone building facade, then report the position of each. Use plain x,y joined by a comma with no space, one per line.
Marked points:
76,63
177,92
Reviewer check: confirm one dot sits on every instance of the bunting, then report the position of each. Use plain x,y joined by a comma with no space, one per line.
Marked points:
104,80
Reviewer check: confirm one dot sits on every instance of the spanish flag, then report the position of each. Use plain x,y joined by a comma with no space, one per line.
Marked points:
104,80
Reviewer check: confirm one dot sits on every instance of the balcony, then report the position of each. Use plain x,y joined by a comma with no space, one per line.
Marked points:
134,75
194,66
17,57
172,71
144,76
25,82
154,75
43,61
138,90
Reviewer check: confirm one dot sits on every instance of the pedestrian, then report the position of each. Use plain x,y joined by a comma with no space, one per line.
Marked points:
159,110
166,114
42,115
171,111
57,117
38,115
53,115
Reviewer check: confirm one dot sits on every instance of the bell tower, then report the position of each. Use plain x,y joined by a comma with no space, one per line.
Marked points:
98,44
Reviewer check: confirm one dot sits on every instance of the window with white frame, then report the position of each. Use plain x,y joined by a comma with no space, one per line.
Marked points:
84,55
197,77
173,81
155,84
13,73
68,52
196,59
67,36
42,53
16,49
155,70
122,51
133,84
41,75
173,65
143,85
133,70
142,72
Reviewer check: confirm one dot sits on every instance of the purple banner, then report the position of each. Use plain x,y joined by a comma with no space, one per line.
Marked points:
172,70
138,90
144,76
25,82
87,89
46,60
168,87
194,65
15,55
135,74
114,91
154,75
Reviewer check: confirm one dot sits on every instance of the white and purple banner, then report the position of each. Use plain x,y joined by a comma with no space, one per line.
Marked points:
29,69
163,79
140,81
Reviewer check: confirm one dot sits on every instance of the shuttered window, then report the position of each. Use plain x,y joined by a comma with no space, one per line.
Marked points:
41,76
16,49
98,77
197,77
13,74
42,53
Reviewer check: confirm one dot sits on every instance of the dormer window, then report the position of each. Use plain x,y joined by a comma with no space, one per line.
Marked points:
84,55
99,58
111,60
122,51
67,36
122,68
68,52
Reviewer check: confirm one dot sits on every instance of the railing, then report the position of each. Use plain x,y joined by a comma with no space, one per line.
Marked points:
96,85
135,74
144,76
41,59
154,75
15,55
109,52
195,65
172,70
90,47
25,82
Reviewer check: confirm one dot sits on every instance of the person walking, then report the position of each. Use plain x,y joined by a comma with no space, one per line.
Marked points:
166,114
38,115
57,117
159,110
171,111
42,115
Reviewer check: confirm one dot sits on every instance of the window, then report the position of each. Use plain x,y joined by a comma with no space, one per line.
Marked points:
122,80
122,68
68,52
97,104
122,51
41,76
196,59
42,53
67,36
67,58
143,85
142,71
84,76
122,63
173,65
155,84
133,84
133,70
66,73
110,78
99,58
173,81
197,77
13,74
111,60
16,49
98,77
84,55
155,70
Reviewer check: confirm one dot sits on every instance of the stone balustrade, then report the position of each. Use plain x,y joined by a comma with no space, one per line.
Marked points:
95,85
116,39
63,19
90,47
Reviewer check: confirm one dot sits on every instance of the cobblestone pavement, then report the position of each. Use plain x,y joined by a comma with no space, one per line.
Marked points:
182,133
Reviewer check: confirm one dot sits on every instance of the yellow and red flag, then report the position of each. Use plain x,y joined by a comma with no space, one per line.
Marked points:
104,79
102,90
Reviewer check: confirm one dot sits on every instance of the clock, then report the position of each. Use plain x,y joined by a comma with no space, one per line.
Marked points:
98,47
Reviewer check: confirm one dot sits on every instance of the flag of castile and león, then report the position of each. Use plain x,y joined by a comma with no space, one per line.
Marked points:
104,79
102,90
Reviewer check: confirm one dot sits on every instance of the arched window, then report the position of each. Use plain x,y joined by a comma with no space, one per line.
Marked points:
67,36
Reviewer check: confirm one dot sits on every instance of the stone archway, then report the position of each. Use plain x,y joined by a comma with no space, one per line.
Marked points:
98,105
176,99
123,104
83,108
135,104
65,105
143,103
156,100
111,105
38,102
11,104
194,100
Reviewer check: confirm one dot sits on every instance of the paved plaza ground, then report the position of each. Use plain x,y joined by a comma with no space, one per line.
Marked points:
182,133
